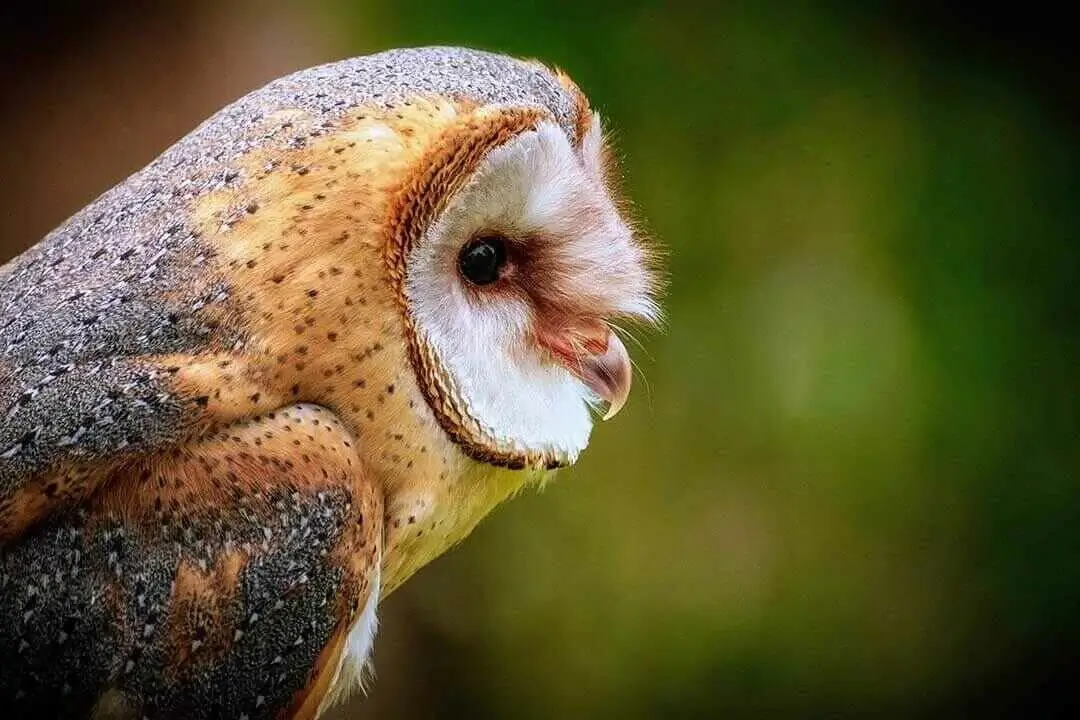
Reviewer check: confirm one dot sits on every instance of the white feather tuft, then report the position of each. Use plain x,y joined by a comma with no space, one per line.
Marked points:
355,660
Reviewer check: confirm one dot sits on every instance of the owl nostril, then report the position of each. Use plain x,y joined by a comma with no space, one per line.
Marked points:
482,259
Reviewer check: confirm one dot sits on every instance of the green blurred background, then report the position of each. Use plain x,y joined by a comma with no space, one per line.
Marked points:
846,483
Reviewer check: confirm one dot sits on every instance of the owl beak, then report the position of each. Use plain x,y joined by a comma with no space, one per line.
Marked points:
598,358
609,374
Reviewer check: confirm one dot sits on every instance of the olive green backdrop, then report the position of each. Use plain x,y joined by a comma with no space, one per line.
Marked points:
846,482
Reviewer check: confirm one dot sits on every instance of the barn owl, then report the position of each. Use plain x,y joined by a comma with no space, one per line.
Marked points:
256,386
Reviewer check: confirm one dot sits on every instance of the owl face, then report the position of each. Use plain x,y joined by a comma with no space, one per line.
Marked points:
511,286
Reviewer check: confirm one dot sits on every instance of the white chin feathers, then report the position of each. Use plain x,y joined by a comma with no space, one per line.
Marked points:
522,401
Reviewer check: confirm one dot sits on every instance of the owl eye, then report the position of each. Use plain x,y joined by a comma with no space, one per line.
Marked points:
482,259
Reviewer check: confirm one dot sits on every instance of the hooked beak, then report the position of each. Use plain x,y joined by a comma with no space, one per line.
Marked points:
596,355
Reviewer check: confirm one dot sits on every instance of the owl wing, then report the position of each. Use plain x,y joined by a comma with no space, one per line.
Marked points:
234,576
90,357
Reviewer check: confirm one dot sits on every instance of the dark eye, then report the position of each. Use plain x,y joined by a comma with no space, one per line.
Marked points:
482,259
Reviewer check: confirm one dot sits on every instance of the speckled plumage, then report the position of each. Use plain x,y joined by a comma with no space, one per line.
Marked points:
217,439
143,585
122,278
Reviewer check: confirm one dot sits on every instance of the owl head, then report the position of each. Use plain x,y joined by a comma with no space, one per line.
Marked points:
454,215
514,261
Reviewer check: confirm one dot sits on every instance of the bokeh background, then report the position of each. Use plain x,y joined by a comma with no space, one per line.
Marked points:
847,482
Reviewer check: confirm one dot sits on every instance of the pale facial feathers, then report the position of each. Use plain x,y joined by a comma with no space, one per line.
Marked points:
577,260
